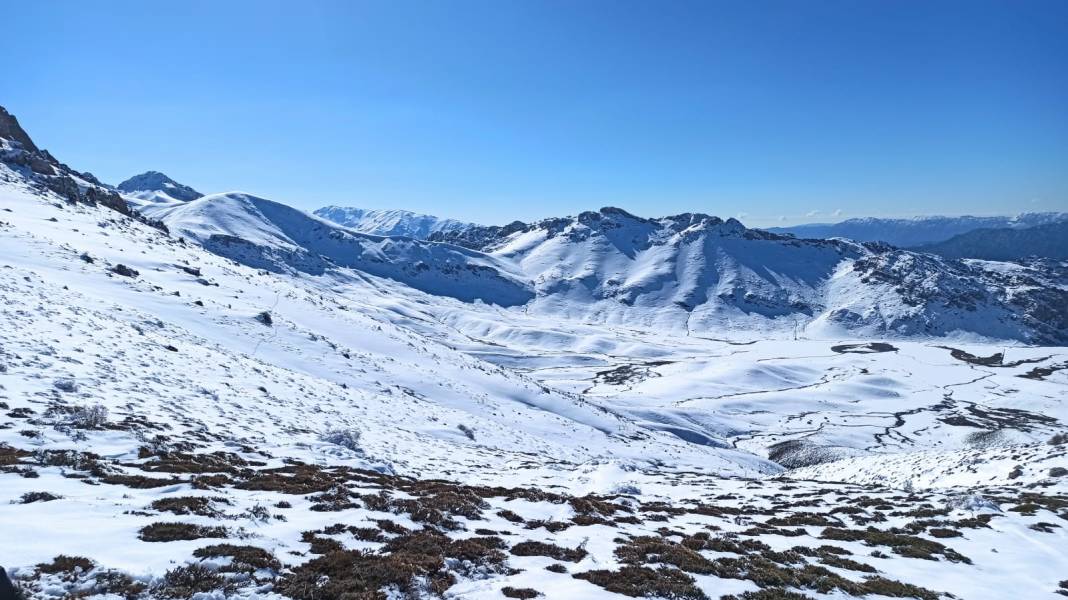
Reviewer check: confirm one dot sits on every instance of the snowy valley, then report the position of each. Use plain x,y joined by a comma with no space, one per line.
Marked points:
208,396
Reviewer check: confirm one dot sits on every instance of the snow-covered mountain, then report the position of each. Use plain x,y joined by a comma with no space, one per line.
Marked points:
228,397
268,235
691,273
916,231
701,274
390,222
156,187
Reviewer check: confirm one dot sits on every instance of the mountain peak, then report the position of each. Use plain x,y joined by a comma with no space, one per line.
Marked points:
154,181
10,129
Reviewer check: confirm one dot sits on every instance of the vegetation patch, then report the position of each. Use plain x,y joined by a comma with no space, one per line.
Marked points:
189,580
635,581
242,558
66,564
31,497
526,593
169,532
291,479
189,505
768,594
532,548
139,482
905,545
199,464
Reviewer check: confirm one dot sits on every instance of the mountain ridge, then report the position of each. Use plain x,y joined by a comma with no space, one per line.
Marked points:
1049,240
273,236
390,222
916,231
690,272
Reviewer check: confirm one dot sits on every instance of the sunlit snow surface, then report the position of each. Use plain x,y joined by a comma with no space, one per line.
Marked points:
559,405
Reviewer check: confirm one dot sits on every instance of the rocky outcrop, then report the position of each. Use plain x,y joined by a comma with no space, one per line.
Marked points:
18,151
11,130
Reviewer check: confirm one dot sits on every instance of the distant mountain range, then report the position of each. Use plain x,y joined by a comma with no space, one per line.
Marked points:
919,231
393,222
702,273
691,271
1047,241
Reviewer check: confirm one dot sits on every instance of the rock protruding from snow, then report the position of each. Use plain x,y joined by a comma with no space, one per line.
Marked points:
391,222
11,130
19,153
154,181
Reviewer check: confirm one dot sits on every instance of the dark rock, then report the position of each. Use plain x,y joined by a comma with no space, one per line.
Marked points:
121,269
10,129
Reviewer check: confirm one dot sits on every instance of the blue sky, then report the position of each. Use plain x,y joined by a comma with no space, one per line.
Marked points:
783,112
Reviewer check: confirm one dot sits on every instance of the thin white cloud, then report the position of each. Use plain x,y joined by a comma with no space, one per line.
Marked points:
812,213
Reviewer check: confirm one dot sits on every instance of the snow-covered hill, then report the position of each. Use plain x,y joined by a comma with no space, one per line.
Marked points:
157,186
917,231
390,222
228,397
268,235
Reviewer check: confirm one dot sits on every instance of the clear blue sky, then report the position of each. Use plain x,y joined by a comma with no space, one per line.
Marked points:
507,109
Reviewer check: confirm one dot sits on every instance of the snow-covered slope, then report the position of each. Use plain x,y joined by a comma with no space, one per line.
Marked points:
268,235
390,222
248,401
916,231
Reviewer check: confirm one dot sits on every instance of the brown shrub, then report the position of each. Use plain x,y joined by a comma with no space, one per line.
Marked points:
66,564
532,548
291,479
510,516
526,593
321,545
768,594
243,558
186,581
905,545
138,482
188,505
355,575
169,532
31,497
635,581
199,464
648,549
